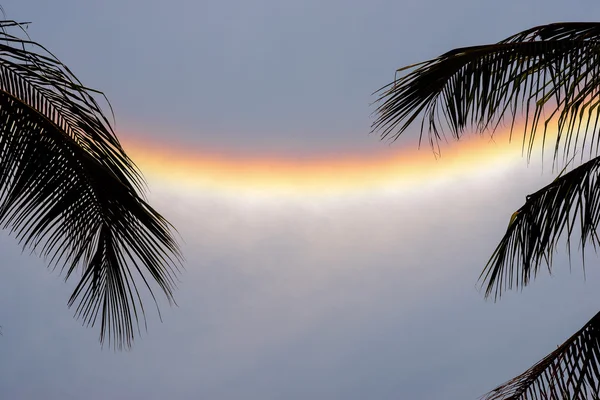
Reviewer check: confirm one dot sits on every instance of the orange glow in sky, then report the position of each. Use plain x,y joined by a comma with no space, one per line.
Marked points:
395,166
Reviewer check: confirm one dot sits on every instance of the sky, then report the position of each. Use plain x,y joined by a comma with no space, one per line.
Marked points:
320,262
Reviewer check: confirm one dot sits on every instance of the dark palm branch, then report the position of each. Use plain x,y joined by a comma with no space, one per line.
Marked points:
571,203
570,372
69,191
547,72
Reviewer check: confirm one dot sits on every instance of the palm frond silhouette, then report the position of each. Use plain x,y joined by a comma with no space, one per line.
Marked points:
69,191
544,74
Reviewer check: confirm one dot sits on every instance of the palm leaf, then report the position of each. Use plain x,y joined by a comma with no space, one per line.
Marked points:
571,203
69,191
570,372
547,72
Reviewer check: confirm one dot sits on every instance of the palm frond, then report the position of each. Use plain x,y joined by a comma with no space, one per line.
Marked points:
68,190
570,203
570,372
544,73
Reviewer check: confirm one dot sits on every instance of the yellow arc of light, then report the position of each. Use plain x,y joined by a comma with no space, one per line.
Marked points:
393,167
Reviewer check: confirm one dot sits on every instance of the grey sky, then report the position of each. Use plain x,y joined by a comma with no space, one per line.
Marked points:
265,75
361,298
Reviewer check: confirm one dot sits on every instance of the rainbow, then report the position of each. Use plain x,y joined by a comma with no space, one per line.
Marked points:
394,167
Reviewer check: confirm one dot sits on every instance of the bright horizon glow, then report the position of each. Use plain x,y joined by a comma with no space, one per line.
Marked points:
395,167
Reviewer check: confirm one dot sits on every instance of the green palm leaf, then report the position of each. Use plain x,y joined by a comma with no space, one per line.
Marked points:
570,372
68,189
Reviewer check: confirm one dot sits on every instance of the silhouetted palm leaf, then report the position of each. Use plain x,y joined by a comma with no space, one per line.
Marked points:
570,203
68,189
546,73
570,372
551,71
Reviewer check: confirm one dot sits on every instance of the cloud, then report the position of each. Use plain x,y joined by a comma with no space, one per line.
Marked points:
369,295
342,297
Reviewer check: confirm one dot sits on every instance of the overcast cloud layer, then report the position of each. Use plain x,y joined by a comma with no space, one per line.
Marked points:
371,296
